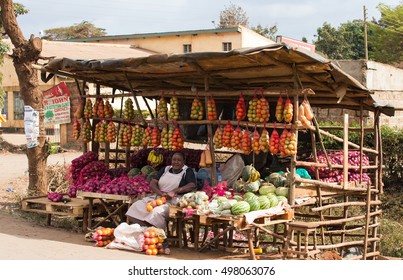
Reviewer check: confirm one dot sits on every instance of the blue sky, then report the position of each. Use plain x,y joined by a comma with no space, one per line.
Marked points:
294,18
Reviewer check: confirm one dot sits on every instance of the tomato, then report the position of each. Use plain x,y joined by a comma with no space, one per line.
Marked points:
145,247
149,252
152,246
147,234
151,234
155,251
147,241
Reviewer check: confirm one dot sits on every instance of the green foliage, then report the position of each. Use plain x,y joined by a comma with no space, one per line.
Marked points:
268,32
353,136
392,238
345,42
232,16
84,29
392,146
387,35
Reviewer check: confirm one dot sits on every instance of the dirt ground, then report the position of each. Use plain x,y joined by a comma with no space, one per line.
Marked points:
25,236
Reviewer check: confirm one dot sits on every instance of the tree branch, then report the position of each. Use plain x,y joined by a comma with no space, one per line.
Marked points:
10,24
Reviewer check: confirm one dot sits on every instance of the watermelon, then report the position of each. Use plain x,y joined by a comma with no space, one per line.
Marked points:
254,204
248,194
267,188
282,191
270,195
276,179
147,169
237,197
264,202
273,201
282,198
240,207
252,187
134,172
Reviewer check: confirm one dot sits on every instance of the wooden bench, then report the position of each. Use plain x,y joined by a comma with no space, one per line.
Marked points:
302,245
76,208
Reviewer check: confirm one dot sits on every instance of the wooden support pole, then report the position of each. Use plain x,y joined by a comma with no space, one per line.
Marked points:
135,100
210,135
361,140
367,222
345,151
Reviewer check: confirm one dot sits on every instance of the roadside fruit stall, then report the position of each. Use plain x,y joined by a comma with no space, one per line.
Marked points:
259,103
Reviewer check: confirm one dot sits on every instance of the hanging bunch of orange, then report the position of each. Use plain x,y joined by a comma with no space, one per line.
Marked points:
236,139
288,143
288,111
154,203
211,109
88,109
246,142
274,142
146,141
258,110
101,108
100,132
279,109
162,109
128,110
252,109
240,111
108,110
177,139
76,129
264,141
87,131
165,137
155,137
174,108
227,134
111,132
256,142
264,113
125,135
170,137
196,111
217,139
137,136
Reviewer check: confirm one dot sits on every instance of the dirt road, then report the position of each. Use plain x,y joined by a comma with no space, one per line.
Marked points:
24,236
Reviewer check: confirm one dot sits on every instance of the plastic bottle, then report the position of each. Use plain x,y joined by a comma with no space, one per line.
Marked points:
219,175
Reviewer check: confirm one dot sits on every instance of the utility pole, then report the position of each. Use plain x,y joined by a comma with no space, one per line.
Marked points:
365,33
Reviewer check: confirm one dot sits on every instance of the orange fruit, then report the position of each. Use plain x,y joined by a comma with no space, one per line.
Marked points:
153,203
149,252
159,202
155,251
149,207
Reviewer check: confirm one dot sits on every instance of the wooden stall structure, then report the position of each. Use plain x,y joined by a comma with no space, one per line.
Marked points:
338,215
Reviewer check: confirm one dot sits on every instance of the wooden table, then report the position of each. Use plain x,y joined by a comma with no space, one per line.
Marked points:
112,203
229,224
238,223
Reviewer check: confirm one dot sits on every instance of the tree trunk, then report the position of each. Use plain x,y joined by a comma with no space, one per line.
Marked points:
25,54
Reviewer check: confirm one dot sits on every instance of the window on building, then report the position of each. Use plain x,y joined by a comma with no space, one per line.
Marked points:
227,46
4,110
18,106
187,48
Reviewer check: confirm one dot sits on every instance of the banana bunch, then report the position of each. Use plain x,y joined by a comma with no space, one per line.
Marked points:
254,176
155,159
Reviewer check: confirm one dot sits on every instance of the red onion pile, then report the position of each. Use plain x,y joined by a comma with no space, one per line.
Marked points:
336,175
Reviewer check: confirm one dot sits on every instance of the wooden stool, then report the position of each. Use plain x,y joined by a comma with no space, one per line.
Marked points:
305,228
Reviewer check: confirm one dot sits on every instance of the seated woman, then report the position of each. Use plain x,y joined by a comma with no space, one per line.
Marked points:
171,181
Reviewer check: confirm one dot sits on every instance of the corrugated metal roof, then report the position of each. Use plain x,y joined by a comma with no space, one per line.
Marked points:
158,34
275,67
85,51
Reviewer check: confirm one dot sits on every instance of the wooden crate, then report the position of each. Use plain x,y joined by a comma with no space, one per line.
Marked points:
74,208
